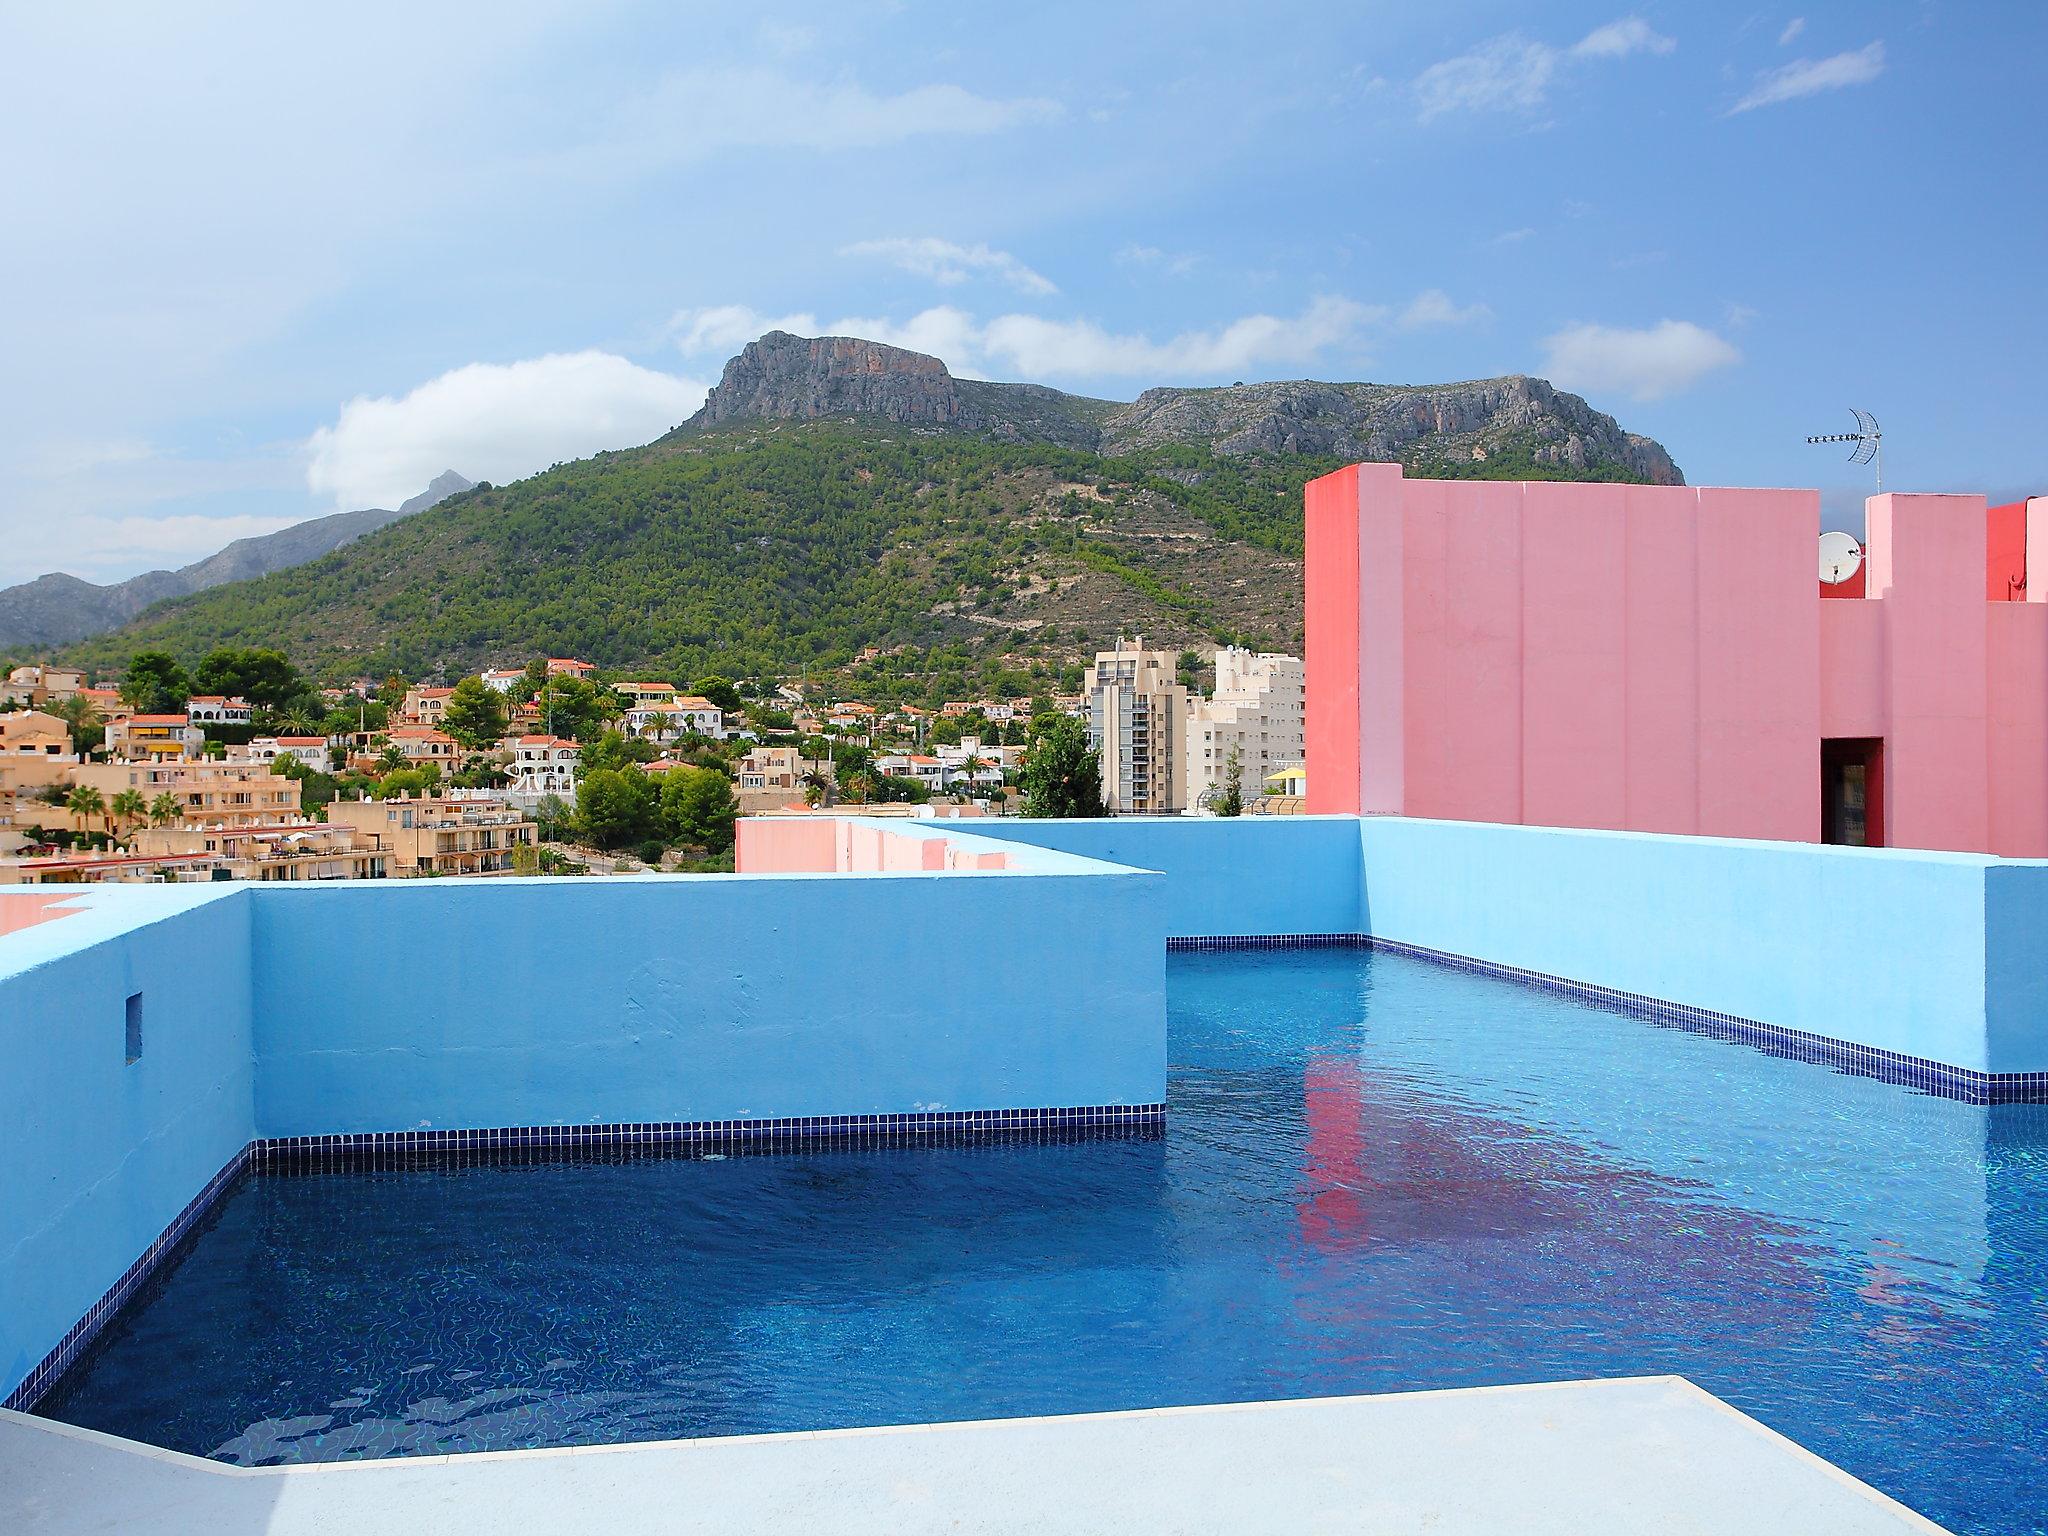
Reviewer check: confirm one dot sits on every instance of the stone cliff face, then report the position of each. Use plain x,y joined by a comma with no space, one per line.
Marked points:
1468,421
791,378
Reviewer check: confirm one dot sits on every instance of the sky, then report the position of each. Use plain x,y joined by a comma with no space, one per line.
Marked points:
260,263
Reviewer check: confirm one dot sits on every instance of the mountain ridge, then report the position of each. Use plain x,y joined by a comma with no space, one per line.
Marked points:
60,609
781,377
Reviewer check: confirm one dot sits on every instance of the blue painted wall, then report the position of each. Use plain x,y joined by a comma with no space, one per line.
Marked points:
97,1155
1929,954
400,1005
1226,876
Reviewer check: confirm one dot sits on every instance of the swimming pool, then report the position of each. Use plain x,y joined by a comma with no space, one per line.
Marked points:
1378,1174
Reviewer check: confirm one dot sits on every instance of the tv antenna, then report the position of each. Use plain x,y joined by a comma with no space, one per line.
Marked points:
1868,438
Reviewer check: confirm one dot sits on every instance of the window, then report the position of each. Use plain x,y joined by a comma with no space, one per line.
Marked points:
134,1028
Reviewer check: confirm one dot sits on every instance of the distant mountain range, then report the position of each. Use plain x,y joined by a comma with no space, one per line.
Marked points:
838,504
58,609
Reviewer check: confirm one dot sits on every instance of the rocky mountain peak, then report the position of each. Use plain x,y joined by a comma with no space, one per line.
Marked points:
795,378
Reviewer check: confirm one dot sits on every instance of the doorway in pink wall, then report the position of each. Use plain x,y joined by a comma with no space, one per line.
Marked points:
1852,791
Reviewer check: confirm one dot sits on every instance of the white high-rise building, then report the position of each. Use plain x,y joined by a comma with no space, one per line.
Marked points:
1137,721
1256,712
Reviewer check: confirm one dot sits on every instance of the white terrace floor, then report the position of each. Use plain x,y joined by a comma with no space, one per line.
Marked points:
1579,1459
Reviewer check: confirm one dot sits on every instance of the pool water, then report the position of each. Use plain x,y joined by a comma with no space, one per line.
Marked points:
1377,1175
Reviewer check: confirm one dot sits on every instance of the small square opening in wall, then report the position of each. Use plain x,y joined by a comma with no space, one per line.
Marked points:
134,1028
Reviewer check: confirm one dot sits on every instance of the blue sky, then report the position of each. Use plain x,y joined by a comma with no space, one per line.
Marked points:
260,266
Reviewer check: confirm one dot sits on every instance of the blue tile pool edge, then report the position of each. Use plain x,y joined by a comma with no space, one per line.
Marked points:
313,1154
1918,1072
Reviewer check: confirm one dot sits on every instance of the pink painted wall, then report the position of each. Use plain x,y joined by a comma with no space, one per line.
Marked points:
1660,658
798,845
1330,639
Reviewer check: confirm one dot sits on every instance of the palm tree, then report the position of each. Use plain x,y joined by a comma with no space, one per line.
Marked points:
164,810
130,807
85,802
298,721
391,759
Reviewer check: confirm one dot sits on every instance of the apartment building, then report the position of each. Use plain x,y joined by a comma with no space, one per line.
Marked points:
503,679
1137,715
31,733
209,792
425,706
111,868
295,849
34,686
1255,713
456,832
154,737
769,779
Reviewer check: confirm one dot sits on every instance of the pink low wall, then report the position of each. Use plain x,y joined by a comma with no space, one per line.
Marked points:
770,845
1659,659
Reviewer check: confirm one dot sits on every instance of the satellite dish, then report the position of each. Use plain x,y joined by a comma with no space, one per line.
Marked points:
1840,557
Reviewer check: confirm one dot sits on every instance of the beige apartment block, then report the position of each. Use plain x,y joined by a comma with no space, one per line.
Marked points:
154,737
1138,721
456,833
36,686
1256,711
209,792
769,779
278,851
31,733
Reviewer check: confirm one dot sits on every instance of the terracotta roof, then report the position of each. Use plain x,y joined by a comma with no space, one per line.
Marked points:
158,720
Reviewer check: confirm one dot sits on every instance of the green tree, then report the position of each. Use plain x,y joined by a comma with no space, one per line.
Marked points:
1227,798
475,715
164,809
129,807
718,690
266,678
88,731
1062,774
85,803
571,707
699,807
617,807
155,684
408,781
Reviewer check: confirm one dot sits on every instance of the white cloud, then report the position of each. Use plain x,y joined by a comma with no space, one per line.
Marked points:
1033,347
1172,263
1506,74
1809,77
696,113
944,261
1619,39
1511,236
1647,364
1793,28
1433,307
1513,73
494,422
